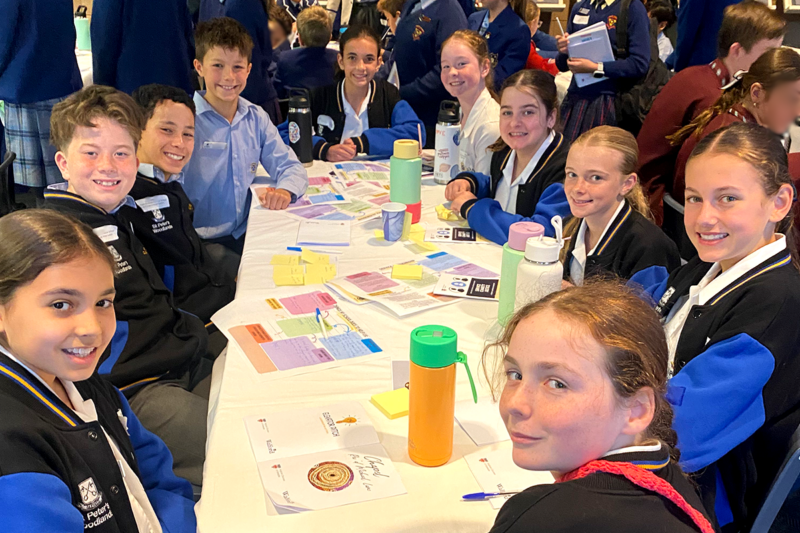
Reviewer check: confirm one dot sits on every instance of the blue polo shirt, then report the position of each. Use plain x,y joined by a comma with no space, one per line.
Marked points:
223,166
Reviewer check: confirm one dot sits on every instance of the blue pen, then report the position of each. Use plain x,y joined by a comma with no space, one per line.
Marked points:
321,324
481,496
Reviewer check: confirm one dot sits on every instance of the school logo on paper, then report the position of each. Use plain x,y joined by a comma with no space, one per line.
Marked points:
90,496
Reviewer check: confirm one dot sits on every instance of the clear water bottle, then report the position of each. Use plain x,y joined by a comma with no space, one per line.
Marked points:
300,126
540,272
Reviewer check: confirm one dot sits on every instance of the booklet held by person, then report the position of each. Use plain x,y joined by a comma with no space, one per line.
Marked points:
590,43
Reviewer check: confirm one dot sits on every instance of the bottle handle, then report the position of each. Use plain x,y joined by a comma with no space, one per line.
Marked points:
461,357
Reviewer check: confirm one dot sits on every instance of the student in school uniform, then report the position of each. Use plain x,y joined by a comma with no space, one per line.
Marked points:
201,283
768,95
467,76
748,30
136,42
253,15
160,357
527,170
280,29
390,9
232,136
535,59
38,69
75,456
292,8
698,23
382,117
664,13
730,318
611,232
312,65
502,24
423,27
581,376
593,105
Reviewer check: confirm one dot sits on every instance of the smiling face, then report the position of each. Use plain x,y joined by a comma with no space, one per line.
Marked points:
168,139
559,405
100,163
225,73
359,61
728,216
462,74
524,120
778,108
59,324
593,182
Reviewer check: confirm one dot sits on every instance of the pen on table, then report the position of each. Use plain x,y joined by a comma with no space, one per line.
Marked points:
299,249
321,324
480,496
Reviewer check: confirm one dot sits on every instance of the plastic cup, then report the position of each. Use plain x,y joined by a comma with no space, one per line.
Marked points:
393,214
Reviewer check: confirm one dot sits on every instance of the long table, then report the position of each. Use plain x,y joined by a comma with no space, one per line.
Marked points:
233,499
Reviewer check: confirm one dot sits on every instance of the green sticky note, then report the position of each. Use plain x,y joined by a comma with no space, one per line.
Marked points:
297,327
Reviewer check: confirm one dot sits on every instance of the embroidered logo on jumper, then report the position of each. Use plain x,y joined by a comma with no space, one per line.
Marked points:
418,31
90,496
664,299
612,22
158,216
95,512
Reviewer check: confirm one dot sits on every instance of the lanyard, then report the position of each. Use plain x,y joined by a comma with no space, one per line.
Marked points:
484,25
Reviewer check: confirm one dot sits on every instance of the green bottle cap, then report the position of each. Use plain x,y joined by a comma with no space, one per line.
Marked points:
436,347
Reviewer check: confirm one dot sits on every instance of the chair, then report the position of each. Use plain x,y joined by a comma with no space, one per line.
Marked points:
6,188
780,489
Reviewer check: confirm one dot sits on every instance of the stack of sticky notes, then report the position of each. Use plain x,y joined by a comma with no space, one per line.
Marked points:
407,272
308,268
393,403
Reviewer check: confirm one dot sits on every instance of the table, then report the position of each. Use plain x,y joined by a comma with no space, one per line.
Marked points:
233,499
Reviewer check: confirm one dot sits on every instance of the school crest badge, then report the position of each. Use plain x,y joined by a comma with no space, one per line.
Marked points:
90,496
117,257
418,31
158,216
612,22
423,18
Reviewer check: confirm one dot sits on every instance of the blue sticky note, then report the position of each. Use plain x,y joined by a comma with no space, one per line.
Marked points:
441,261
346,346
369,343
325,197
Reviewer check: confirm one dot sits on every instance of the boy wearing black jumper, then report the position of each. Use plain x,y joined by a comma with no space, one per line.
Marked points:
163,217
159,355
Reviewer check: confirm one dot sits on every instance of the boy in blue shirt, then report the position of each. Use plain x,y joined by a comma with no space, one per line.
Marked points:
232,136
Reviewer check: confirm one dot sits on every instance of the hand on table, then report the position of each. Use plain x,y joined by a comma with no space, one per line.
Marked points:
456,187
275,199
581,66
562,42
459,200
342,152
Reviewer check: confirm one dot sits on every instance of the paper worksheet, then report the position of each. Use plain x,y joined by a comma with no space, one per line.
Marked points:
495,471
591,43
324,233
481,421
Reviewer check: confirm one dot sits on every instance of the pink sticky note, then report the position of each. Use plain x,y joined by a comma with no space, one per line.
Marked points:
308,303
371,281
320,180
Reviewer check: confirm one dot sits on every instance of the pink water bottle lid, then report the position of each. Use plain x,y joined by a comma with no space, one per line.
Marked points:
520,232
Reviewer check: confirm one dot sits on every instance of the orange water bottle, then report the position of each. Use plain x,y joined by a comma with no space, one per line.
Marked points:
432,394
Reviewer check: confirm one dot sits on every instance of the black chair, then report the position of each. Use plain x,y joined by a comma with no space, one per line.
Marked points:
783,485
6,186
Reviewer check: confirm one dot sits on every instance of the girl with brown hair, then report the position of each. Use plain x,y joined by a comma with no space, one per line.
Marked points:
583,375
502,25
612,230
730,316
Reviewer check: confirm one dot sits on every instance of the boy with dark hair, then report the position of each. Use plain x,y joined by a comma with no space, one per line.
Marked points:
232,136
664,13
748,30
311,65
163,217
159,356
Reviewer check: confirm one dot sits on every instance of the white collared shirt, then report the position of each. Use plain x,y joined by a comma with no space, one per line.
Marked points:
577,266
635,449
507,191
708,287
152,171
355,123
481,129
143,513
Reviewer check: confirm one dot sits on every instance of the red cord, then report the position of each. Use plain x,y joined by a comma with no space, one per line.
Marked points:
645,479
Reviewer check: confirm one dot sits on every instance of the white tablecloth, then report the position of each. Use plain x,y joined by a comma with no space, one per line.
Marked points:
233,499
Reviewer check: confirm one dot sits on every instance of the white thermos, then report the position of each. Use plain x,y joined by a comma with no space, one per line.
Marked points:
540,272
448,130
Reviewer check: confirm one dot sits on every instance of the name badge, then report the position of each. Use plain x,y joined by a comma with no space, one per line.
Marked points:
584,11
219,145
581,19
151,203
106,233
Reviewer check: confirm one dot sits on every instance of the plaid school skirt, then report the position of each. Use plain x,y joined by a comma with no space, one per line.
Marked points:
28,135
579,114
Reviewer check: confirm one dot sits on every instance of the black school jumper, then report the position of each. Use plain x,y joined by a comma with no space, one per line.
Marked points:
199,284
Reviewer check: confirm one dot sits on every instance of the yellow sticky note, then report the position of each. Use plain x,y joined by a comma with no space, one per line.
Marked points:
417,228
379,234
321,272
393,403
445,214
288,280
407,272
287,270
313,257
406,227
419,239
313,279
285,260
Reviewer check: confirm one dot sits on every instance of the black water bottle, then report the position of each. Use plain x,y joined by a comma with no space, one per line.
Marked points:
300,125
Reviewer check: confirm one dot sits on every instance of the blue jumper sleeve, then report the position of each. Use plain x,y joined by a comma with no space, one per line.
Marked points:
545,42
561,59
34,501
480,185
709,420
488,218
652,280
638,60
279,160
106,31
380,141
170,496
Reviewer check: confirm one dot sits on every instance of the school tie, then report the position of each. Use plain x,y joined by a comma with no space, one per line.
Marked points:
597,5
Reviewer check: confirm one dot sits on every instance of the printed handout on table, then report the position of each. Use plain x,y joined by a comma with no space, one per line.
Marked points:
324,233
495,471
453,235
481,421
467,287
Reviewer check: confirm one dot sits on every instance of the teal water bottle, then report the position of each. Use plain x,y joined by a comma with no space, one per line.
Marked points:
405,177
513,253
83,39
